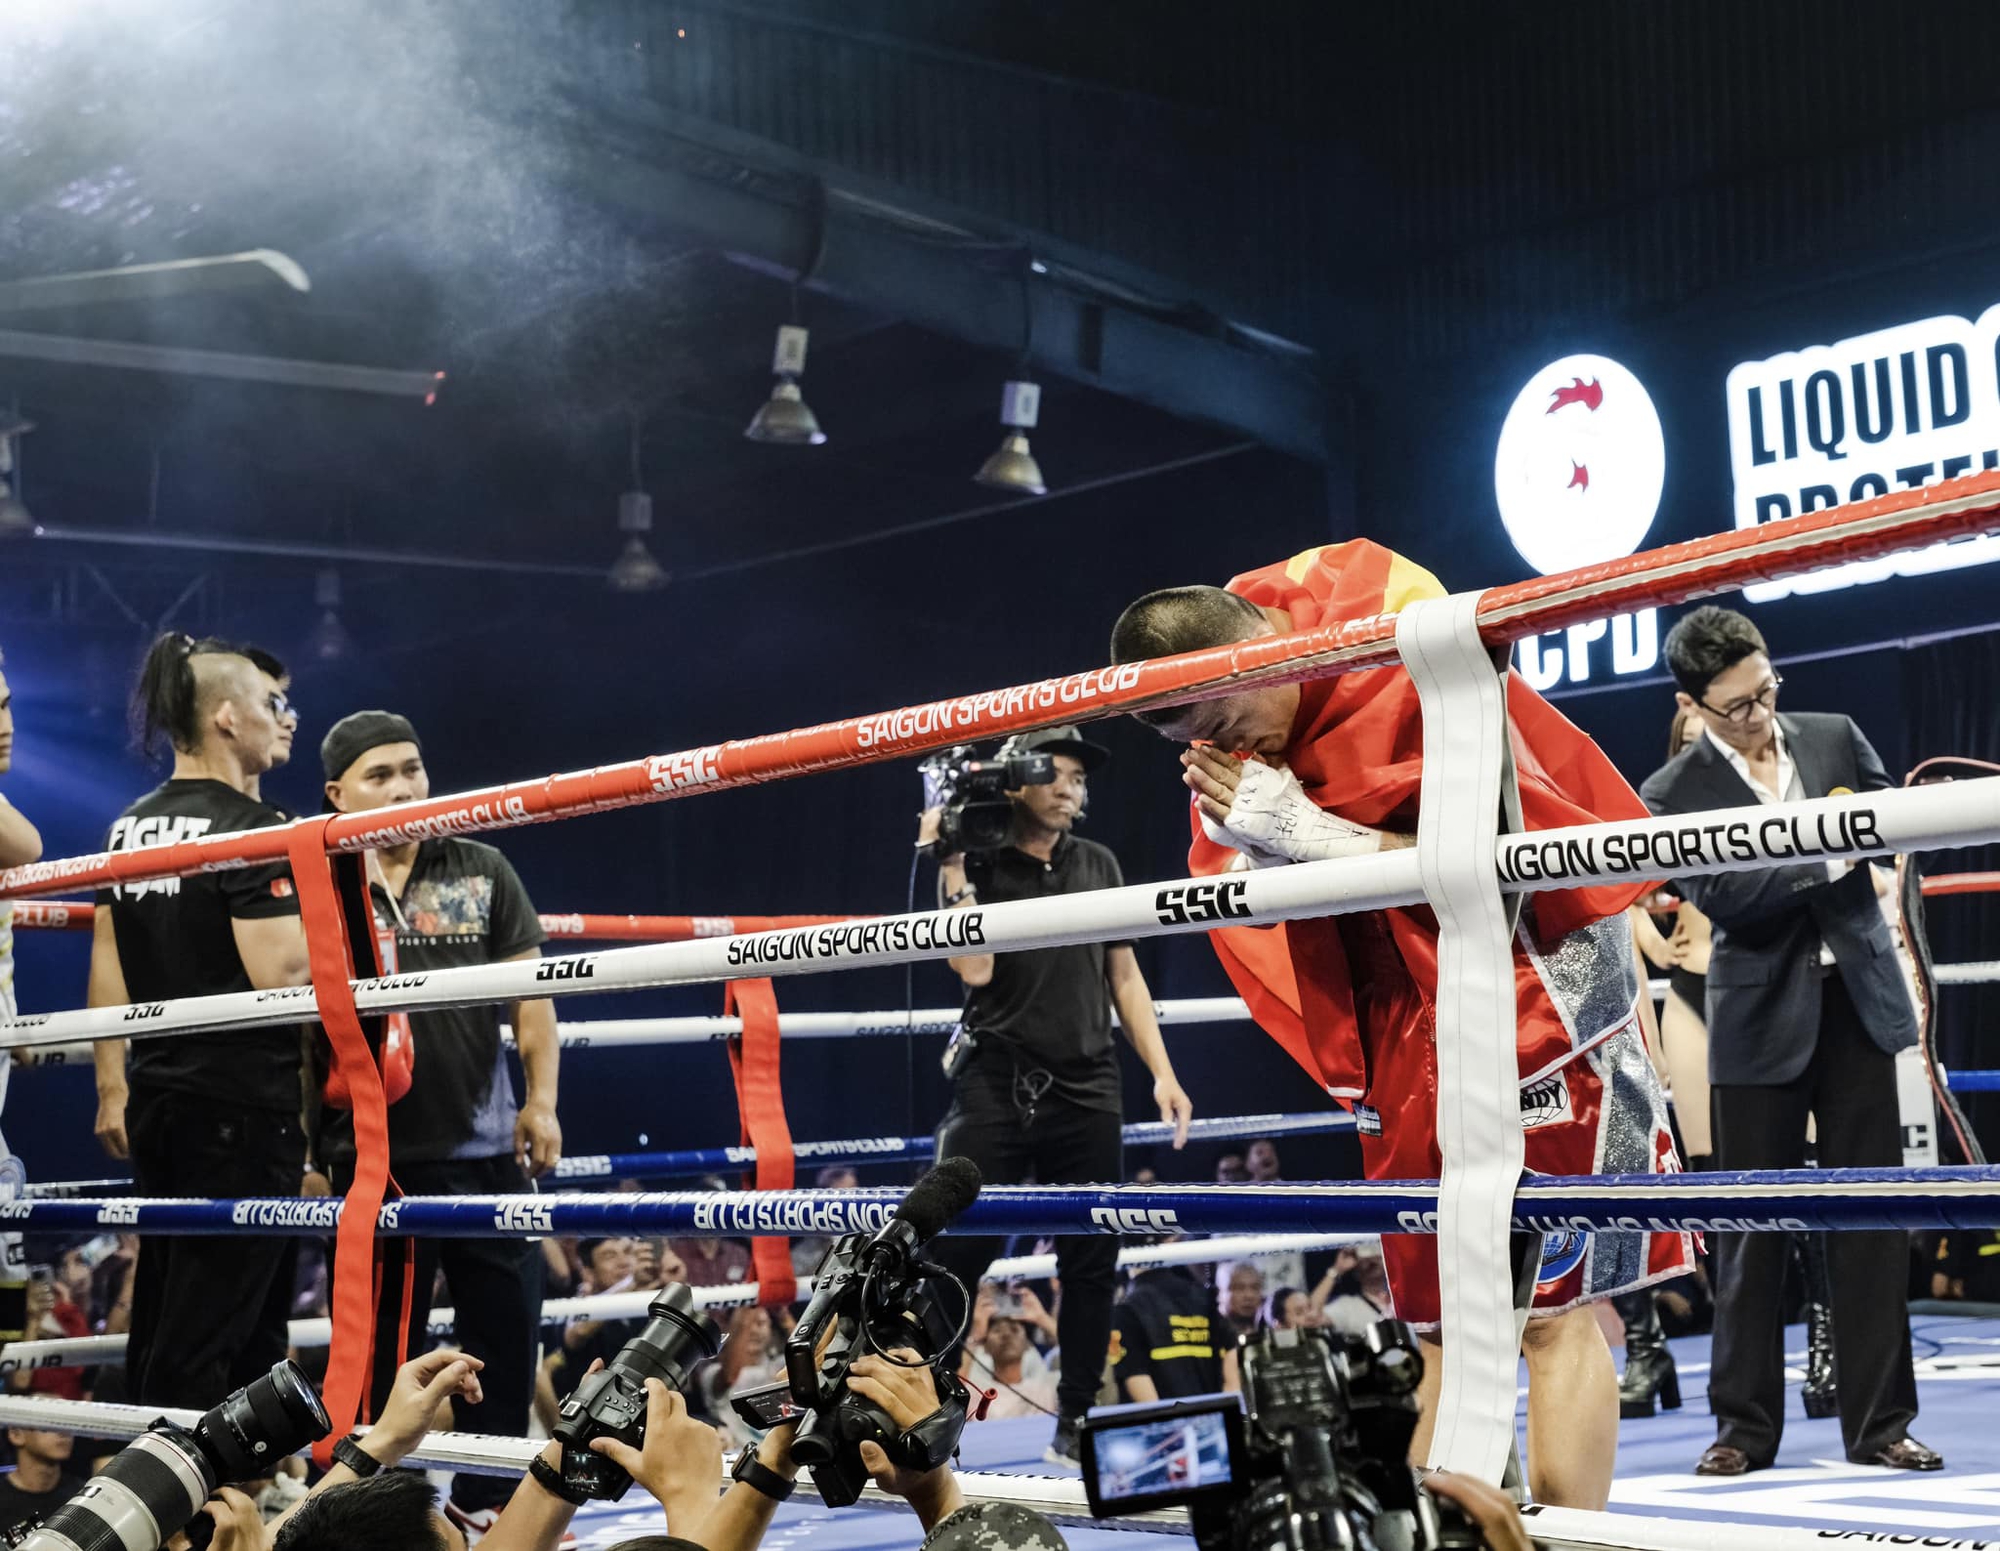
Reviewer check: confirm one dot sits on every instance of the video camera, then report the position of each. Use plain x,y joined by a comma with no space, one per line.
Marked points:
611,1403
157,1484
971,793
872,1295
1313,1453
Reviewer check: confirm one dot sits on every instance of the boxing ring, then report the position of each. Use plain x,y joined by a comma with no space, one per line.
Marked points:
1464,864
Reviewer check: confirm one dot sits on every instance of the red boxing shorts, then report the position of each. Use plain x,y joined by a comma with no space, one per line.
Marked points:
1597,1108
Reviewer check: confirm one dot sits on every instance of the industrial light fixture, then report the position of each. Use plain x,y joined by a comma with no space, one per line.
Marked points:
1013,466
784,419
635,569
15,520
329,640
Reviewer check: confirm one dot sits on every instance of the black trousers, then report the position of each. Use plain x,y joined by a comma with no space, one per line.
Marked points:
495,1287
209,1314
1064,1144
1849,1087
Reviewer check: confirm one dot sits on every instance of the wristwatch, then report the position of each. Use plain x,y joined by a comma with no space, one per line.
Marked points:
760,1476
357,1459
953,900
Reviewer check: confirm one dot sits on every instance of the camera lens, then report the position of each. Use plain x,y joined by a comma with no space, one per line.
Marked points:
265,1420
158,1483
674,1339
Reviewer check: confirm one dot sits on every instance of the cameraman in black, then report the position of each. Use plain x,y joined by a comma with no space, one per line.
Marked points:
1036,1085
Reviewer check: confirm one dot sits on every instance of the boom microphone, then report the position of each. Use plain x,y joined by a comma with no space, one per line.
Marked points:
935,1201
872,1296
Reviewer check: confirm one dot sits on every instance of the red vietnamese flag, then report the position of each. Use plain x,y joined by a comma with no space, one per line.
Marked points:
1357,748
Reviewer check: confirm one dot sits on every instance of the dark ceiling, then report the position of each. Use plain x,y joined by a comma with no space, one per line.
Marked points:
1208,227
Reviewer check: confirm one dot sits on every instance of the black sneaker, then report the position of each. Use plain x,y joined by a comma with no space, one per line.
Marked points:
1063,1448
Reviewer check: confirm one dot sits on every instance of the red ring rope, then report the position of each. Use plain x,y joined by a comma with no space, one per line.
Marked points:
62,915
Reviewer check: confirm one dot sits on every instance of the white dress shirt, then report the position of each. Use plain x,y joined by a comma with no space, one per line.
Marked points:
1790,789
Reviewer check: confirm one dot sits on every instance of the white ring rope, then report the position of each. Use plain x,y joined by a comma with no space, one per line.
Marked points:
79,1351
702,1029
1921,818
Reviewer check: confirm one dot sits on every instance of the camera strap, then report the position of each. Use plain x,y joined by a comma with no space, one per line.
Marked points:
760,1104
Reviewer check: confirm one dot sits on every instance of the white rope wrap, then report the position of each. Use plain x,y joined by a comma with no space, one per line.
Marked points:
1465,780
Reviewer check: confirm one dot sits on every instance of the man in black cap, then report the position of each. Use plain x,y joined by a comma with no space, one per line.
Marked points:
455,1130
1036,1086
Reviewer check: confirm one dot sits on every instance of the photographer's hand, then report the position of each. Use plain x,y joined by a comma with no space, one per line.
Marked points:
927,832
1496,1515
680,1463
238,1524
974,969
738,1522
908,1394
421,1386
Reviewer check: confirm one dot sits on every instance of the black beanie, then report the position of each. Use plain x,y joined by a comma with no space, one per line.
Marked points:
352,736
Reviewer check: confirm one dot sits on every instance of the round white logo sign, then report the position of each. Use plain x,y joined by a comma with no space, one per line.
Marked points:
1581,464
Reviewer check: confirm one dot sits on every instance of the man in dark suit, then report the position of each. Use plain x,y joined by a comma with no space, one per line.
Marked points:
1807,1008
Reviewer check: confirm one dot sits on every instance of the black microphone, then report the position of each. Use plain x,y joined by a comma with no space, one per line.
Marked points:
934,1202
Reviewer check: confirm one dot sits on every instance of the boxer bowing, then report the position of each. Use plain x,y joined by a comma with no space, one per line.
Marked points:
1332,768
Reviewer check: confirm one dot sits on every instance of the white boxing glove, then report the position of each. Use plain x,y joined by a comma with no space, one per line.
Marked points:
1272,821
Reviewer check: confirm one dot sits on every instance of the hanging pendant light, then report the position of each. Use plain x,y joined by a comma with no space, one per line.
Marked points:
635,569
785,419
1013,466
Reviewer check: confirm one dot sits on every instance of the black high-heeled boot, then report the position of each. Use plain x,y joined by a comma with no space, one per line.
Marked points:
1821,1394
1649,1374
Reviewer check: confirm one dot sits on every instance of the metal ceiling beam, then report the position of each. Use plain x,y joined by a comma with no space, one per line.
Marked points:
67,350
258,269
773,210
329,554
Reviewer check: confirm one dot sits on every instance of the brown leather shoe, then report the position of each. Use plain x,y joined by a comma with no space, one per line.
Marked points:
1906,1454
1720,1459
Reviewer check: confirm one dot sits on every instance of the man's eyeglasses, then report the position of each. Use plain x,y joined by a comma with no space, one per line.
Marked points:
281,707
1739,711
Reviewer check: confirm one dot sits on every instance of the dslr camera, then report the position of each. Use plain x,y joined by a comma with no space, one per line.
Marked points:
1314,1452
157,1484
871,1295
971,793
611,1403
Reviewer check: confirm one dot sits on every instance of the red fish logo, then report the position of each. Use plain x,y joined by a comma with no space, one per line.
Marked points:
1582,487
1588,394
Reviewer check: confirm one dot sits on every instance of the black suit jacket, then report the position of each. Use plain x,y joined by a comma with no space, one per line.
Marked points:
1764,979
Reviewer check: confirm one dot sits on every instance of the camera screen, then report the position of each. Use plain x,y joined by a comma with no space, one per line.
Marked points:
1168,1456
